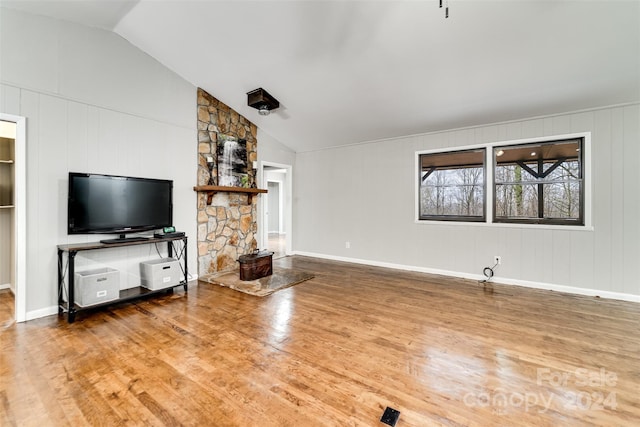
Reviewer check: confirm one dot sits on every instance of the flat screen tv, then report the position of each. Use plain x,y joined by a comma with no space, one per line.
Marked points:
109,204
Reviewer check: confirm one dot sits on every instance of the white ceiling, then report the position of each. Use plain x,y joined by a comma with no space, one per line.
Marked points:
352,71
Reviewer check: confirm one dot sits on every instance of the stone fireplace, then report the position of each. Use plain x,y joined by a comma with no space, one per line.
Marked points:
227,227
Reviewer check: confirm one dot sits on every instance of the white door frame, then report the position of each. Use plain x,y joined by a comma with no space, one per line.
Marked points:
287,194
20,214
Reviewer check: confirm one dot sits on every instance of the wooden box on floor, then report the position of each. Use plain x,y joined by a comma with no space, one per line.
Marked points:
256,265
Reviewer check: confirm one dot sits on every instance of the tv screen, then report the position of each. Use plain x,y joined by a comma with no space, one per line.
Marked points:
118,204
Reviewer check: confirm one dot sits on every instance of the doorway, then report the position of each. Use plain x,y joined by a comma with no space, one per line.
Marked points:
275,215
12,219
274,206
273,209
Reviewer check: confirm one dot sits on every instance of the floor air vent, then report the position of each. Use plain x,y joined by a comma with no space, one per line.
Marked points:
390,416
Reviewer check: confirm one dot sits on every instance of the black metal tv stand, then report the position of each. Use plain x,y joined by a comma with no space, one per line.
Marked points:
71,308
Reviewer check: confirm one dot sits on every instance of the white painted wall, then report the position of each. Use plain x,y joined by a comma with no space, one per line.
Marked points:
364,194
273,207
273,151
280,178
93,103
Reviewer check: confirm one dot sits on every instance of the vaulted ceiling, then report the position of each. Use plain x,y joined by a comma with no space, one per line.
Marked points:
353,71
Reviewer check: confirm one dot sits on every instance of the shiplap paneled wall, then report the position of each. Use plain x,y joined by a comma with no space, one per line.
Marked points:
93,103
364,194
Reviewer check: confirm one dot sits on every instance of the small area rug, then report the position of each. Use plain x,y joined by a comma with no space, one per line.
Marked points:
280,279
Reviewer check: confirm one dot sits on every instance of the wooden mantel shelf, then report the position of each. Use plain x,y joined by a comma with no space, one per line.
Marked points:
213,189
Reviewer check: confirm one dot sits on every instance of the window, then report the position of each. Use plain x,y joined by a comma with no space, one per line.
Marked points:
539,183
452,186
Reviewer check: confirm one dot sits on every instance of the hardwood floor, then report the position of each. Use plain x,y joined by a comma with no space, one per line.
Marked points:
332,351
277,244
7,307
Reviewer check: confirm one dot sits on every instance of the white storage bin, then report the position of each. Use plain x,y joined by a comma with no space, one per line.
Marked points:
92,287
160,273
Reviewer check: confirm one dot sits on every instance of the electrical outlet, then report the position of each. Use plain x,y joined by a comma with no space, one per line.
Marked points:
497,259
347,245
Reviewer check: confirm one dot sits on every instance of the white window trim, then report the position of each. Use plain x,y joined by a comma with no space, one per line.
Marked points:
489,165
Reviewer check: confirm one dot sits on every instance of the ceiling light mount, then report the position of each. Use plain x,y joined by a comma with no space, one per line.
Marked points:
261,100
263,110
446,9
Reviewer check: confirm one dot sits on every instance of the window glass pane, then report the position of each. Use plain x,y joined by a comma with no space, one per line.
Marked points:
452,185
442,197
550,171
513,173
567,170
562,200
516,201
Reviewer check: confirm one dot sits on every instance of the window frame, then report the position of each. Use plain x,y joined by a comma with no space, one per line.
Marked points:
457,218
587,171
579,221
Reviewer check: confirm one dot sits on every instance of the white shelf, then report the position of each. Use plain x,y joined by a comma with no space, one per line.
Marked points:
7,161
6,206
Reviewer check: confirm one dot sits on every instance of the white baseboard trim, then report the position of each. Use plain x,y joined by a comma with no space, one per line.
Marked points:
43,312
497,279
5,286
570,289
